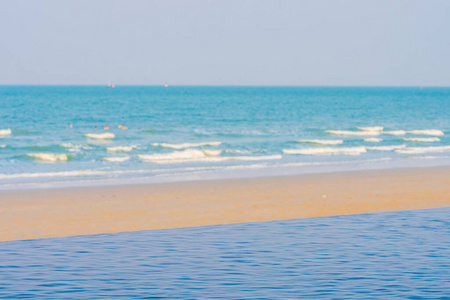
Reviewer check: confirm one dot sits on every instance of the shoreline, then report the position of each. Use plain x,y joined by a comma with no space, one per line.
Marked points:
59,212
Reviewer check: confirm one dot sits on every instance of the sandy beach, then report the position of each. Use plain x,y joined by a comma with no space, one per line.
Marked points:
44,213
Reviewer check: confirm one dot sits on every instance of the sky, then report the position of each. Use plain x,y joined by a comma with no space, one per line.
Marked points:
225,42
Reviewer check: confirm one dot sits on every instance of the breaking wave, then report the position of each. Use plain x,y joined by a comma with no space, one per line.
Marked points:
185,145
386,148
321,142
422,140
49,157
100,136
427,132
121,148
373,140
5,132
357,133
194,155
116,159
327,151
394,132
420,150
75,147
374,128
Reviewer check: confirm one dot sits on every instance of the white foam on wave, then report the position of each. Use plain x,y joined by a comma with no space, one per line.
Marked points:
48,157
186,145
387,148
5,132
190,154
373,140
373,128
194,155
236,151
116,159
436,132
75,147
419,150
121,148
394,132
327,151
322,142
422,140
100,136
357,133
2,146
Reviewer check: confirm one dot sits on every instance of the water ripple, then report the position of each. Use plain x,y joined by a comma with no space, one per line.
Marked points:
370,256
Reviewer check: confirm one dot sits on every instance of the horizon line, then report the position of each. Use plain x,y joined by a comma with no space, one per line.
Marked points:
228,85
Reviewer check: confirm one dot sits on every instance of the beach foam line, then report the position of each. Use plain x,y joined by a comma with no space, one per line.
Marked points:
373,128
356,133
372,140
100,136
116,159
48,157
420,150
121,148
321,142
387,148
422,140
186,145
5,132
436,132
327,151
54,174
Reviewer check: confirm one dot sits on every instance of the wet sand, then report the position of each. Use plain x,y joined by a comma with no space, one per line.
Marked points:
44,213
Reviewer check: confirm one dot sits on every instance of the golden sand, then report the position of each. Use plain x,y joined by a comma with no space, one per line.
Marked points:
31,214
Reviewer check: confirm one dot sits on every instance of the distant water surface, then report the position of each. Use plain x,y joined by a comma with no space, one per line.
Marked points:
183,133
403,255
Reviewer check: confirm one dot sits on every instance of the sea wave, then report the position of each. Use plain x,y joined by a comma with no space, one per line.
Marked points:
419,150
373,140
186,145
422,140
327,151
394,132
100,136
321,142
116,159
3,146
373,128
194,155
427,132
75,147
190,154
357,133
387,148
49,157
121,148
5,132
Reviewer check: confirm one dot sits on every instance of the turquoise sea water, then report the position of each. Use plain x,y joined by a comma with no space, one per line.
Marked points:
185,133
396,255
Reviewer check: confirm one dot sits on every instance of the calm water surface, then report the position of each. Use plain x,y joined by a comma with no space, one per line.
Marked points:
404,255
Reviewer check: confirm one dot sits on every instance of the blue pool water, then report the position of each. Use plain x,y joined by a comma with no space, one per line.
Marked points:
403,255
184,133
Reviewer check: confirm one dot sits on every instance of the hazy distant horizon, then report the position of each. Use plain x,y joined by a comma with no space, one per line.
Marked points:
226,43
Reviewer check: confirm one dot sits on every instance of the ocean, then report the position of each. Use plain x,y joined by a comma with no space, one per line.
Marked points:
55,135
394,255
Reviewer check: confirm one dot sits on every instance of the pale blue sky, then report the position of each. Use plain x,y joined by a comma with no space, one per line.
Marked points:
224,42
